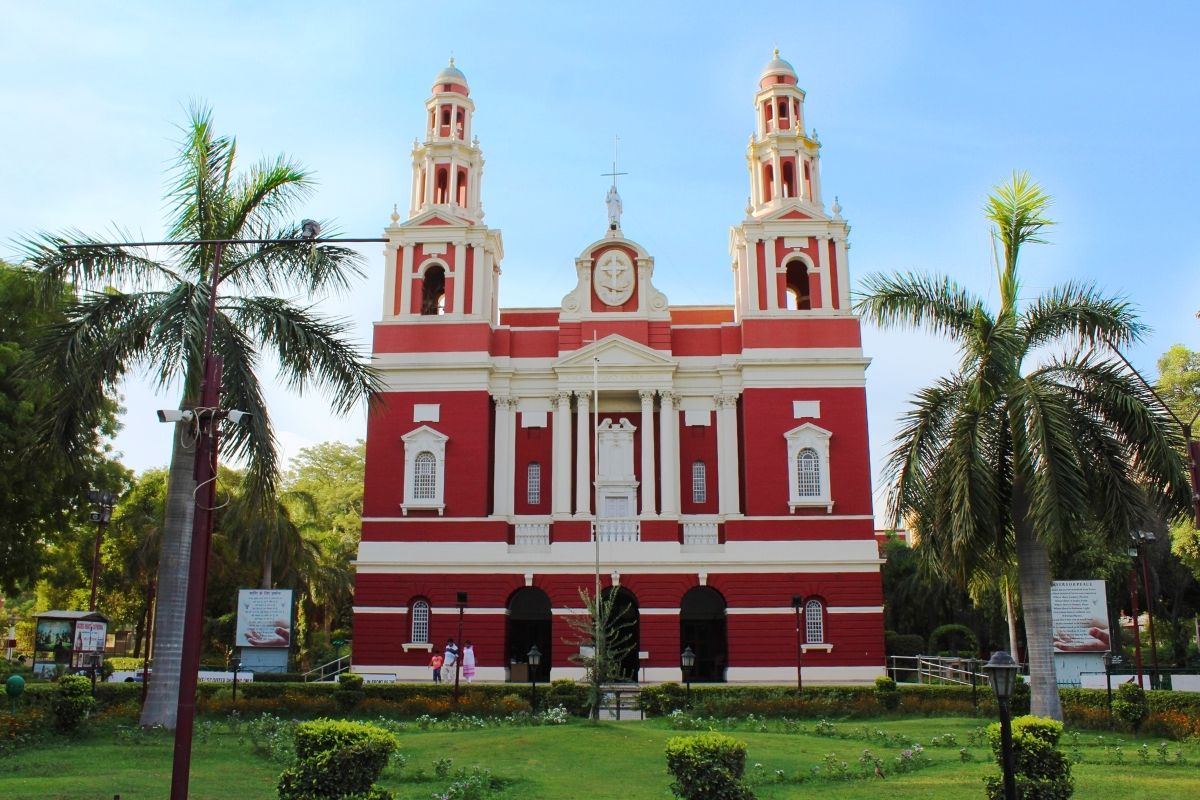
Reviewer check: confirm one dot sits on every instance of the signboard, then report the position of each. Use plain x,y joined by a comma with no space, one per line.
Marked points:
54,636
264,618
90,637
1080,613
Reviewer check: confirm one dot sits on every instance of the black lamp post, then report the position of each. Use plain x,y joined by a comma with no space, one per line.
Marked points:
1108,663
101,516
687,659
206,417
1141,538
1002,672
535,661
798,605
462,607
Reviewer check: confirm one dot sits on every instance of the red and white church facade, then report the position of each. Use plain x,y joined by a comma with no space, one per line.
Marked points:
722,463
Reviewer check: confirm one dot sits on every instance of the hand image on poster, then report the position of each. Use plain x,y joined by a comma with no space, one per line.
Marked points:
1095,641
277,634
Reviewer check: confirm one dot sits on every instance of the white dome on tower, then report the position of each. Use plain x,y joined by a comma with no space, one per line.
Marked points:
777,71
451,75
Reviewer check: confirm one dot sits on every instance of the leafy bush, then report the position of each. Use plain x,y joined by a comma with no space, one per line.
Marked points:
955,640
337,759
571,695
1042,771
886,693
903,644
348,681
660,700
72,703
1130,706
708,767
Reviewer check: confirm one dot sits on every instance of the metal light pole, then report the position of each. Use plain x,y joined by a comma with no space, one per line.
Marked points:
1002,672
535,659
206,417
1137,633
798,605
1108,662
462,607
1142,538
687,660
104,504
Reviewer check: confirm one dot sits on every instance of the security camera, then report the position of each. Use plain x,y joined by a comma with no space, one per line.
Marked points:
235,416
310,229
174,415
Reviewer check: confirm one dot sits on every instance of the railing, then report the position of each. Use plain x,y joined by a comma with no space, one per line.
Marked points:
700,532
618,530
329,670
531,534
937,670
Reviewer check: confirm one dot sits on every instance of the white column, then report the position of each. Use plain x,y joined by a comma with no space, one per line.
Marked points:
460,276
502,468
453,182
649,506
560,483
843,271
405,278
390,268
583,449
826,281
776,173
728,502
429,176
752,273
669,443
772,269
413,202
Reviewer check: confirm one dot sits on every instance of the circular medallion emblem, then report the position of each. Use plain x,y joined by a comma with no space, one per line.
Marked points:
613,278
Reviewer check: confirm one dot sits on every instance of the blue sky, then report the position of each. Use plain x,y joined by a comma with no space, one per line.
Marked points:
921,108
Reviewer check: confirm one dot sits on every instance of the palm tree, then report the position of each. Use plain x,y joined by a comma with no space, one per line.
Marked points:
265,533
135,312
1019,448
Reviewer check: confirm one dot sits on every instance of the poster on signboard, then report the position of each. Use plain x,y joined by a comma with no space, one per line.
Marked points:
90,636
53,636
1080,613
264,618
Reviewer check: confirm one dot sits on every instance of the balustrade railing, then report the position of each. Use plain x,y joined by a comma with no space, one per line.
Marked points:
531,534
618,530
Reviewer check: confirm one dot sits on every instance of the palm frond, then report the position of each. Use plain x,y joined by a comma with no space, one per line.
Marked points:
909,300
310,349
1079,314
86,262
292,266
1017,209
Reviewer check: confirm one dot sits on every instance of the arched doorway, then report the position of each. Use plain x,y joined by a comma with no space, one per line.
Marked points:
625,611
702,628
529,623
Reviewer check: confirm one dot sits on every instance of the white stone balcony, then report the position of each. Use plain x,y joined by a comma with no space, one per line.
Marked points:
531,533
619,529
700,531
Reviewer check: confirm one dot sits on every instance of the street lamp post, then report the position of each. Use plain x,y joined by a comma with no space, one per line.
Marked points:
1002,672
687,660
462,607
535,660
1137,632
1141,539
1108,663
206,417
798,605
104,507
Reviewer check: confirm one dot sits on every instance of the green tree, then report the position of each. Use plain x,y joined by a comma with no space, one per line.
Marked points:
135,312
603,635
1013,453
42,493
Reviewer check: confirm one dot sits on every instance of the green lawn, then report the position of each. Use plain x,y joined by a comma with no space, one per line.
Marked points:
611,761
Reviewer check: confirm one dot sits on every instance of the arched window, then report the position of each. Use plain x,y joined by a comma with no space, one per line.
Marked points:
425,476
768,183
799,296
699,482
814,622
808,473
789,179
420,622
433,291
533,483
441,189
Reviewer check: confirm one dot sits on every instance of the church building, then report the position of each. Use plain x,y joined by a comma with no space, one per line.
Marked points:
709,462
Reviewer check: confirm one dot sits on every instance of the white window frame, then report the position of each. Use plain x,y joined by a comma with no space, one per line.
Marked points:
808,437
533,483
699,487
416,637
424,440
814,623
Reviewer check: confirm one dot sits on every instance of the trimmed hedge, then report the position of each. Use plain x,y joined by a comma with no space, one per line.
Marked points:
708,766
1042,771
337,759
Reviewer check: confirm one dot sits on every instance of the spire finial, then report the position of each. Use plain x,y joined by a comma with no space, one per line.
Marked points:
395,213
776,55
452,57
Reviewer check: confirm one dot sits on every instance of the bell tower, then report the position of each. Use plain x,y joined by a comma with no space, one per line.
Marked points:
442,262
789,255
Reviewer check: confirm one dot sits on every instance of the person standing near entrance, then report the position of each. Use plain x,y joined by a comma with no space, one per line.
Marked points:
435,664
450,656
468,657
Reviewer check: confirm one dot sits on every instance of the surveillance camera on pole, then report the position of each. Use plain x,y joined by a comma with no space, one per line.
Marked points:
174,415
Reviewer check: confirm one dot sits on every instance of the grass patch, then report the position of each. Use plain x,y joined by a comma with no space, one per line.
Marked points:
609,761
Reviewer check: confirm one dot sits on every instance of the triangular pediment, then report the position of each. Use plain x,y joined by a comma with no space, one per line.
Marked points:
434,217
615,350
